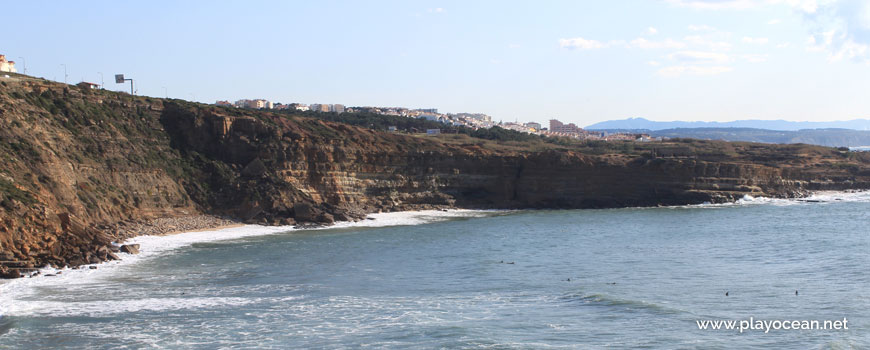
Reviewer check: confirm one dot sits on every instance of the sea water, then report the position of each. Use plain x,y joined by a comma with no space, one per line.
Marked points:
620,278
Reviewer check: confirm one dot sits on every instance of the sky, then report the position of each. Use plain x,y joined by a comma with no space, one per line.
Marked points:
581,61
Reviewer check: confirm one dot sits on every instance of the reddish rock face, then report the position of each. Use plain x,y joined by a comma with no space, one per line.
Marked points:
78,161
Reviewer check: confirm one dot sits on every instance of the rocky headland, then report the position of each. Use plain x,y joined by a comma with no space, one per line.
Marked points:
82,168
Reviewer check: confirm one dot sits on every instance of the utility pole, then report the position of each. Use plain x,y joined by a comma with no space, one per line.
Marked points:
101,81
165,92
65,76
24,65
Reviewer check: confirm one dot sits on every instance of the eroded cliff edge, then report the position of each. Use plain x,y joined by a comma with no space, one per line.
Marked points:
76,162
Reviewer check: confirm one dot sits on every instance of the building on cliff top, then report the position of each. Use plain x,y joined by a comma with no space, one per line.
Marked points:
87,85
7,66
559,127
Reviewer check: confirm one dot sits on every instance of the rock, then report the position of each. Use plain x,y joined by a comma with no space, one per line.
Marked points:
9,273
255,168
4,255
130,248
92,267
326,218
112,256
305,212
342,217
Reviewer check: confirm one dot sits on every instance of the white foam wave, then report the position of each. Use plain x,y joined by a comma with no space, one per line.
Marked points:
414,217
815,198
16,296
105,308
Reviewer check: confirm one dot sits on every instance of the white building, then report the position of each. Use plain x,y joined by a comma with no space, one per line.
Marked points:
299,107
337,108
317,107
7,66
261,103
431,117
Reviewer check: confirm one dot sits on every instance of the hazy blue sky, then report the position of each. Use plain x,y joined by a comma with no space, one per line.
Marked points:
579,61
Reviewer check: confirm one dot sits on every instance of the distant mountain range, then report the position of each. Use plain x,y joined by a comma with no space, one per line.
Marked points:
784,125
822,137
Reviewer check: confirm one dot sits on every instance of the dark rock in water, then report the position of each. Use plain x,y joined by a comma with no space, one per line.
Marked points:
49,275
130,248
92,267
112,256
9,273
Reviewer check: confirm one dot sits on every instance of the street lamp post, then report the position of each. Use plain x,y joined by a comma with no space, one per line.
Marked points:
65,76
101,80
24,65
165,92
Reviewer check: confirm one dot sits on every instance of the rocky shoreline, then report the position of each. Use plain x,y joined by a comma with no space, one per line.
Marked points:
11,267
124,230
166,226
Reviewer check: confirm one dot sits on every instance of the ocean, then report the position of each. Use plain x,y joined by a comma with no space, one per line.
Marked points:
542,279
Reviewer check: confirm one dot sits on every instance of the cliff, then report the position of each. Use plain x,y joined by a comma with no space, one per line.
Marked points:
78,163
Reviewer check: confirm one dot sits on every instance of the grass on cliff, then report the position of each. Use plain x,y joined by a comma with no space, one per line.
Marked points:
8,193
499,140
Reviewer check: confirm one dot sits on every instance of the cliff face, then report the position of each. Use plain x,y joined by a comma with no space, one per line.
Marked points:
76,162
359,170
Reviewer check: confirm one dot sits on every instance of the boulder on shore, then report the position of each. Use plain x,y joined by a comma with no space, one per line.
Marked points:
305,212
130,248
9,273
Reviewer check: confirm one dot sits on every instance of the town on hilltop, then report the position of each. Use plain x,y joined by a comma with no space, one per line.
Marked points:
469,120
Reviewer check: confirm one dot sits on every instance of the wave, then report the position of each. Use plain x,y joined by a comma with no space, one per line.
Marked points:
104,308
14,294
598,299
819,197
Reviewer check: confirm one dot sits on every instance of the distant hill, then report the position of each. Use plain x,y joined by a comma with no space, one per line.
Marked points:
822,137
641,123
